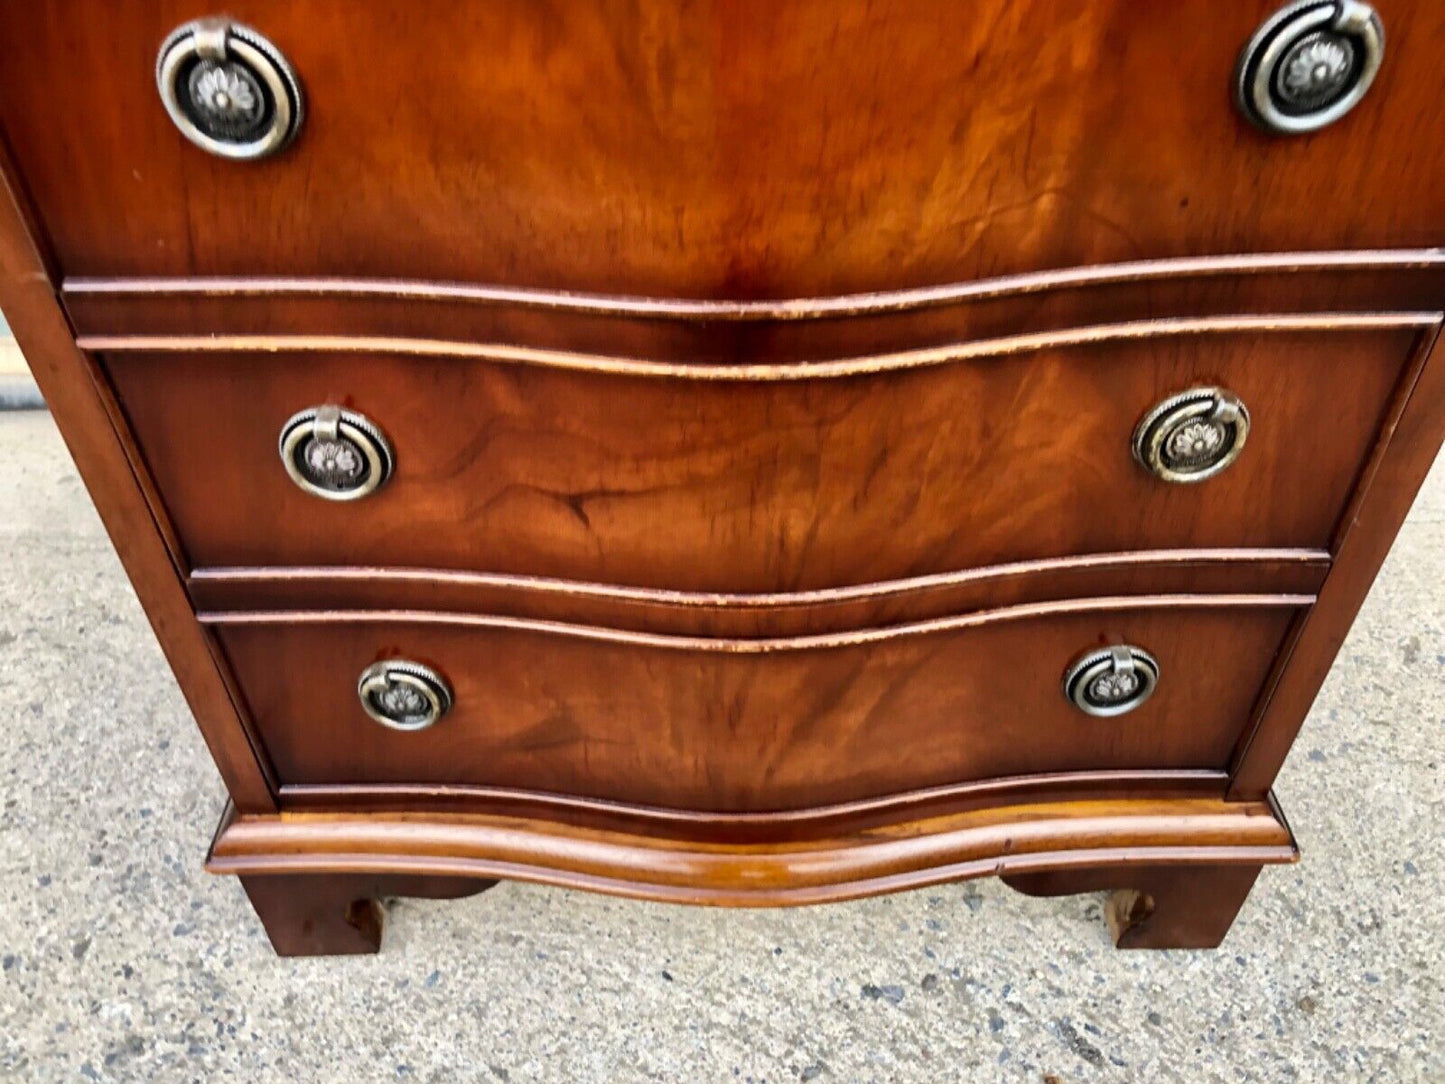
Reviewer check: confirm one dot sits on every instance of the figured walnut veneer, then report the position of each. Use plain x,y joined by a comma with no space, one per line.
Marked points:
762,379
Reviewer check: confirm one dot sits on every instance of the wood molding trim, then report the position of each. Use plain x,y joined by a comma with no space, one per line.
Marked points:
697,613
1005,840
1140,272
759,646
252,577
897,361
744,827
795,613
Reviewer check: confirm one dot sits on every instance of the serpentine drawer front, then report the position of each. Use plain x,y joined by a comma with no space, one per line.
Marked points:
739,453
754,725
710,150
769,483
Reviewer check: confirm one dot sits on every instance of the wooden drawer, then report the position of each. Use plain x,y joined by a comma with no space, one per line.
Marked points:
748,725
766,478
717,149
763,379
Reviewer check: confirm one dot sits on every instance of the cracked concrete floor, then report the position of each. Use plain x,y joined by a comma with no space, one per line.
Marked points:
123,961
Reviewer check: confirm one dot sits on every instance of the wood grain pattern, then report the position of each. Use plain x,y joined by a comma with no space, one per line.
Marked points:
733,332
1011,839
1408,447
763,486
726,149
762,376
1137,276
85,413
798,613
771,371
754,725
740,827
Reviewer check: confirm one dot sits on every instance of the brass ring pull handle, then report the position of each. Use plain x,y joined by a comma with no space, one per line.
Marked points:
1309,64
403,695
1111,681
228,89
1193,435
335,454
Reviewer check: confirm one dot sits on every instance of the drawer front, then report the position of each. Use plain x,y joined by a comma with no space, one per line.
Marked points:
754,725
760,485
714,149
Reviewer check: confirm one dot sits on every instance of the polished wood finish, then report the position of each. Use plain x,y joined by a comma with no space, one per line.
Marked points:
898,466
792,613
85,413
791,330
770,826
762,377
1182,907
1407,449
1013,839
727,149
746,725
339,914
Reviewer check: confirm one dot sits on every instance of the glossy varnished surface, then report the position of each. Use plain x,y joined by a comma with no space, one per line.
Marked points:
1017,839
752,615
745,828
755,481
1410,444
751,725
721,149
788,330
783,332
713,551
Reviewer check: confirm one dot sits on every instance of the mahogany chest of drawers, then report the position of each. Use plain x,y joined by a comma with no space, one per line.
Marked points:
740,453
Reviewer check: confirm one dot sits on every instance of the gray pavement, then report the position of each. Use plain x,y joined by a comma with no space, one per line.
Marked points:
120,960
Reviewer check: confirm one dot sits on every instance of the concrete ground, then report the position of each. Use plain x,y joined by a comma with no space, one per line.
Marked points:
123,961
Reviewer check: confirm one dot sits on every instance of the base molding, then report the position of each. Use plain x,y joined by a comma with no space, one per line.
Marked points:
1014,840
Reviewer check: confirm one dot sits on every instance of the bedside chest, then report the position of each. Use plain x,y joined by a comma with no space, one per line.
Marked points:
738,453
